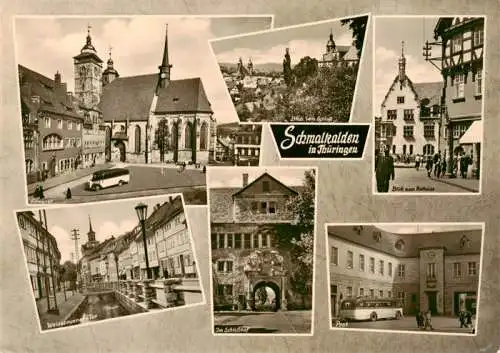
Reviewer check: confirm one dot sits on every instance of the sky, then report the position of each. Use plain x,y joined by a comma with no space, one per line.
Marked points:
233,177
415,228
48,44
269,46
108,219
389,33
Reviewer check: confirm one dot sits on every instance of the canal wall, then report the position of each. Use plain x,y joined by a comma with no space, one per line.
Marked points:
129,304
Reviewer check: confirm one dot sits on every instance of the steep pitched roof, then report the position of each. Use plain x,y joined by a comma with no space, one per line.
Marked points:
450,240
262,176
53,99
162,214
128,98
183,96
429,90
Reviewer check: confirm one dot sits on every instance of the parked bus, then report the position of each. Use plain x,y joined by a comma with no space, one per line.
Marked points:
368,308
108,177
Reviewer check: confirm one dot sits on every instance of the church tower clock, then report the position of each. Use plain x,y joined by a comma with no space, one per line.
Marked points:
88,74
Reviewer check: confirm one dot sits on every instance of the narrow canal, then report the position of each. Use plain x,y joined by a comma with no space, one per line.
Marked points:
99,307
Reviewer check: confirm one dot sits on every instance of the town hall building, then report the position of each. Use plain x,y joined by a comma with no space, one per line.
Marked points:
410,116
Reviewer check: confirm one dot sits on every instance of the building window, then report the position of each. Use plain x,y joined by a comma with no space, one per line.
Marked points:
221,241
401,297
408,131
349,259
247,241
78,126
411,150
428,150
381,293
361,262
188,139
47,122
458,81
334,255
456,44
361,292
392,114
478,82
137,139
478,37
265,186
225,266
472,269
264,240
349,291
381,267
372,293
272,207
429,130
457,270
59,124
389,269
408,114
372,265
70,125
237,241
401,270
229,240
459,130
389,294
404,149
203,137
52,142
225,290
431,270
401,99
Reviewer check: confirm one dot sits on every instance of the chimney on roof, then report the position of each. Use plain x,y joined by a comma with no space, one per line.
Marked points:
245,179
170,199
69,96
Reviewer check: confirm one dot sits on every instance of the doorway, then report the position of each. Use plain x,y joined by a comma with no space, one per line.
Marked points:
432,302
266,297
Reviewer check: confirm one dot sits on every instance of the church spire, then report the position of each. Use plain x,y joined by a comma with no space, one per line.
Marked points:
88,47
91,233
402,63
165,65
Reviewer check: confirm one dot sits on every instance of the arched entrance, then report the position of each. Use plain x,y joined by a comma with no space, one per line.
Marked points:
266,296
121,147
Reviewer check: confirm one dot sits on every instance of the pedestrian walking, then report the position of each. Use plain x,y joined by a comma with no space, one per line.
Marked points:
68,194
461,319
443,167
204,169
418,317
384,171
428,321
417,162
39,192
428,166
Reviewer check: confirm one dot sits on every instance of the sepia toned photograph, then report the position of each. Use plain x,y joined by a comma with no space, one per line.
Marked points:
238,145
408,277
428,101
262,224
115,107
89,263
302,73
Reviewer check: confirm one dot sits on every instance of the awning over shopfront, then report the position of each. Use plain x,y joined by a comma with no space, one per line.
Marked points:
474,133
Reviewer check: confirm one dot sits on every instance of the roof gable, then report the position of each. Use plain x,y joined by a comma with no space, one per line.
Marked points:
430,90
275,187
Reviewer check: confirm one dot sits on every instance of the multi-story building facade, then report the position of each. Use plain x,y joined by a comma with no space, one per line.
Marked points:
247,145
89,79
52,127
42,255
462,55
436,271
245,255
410,117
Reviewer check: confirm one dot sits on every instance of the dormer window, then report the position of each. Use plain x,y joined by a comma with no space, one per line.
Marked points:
357,229
265,186
400,244
377,236
35,99
464,242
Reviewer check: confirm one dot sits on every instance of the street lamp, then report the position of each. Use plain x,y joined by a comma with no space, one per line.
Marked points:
142,211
